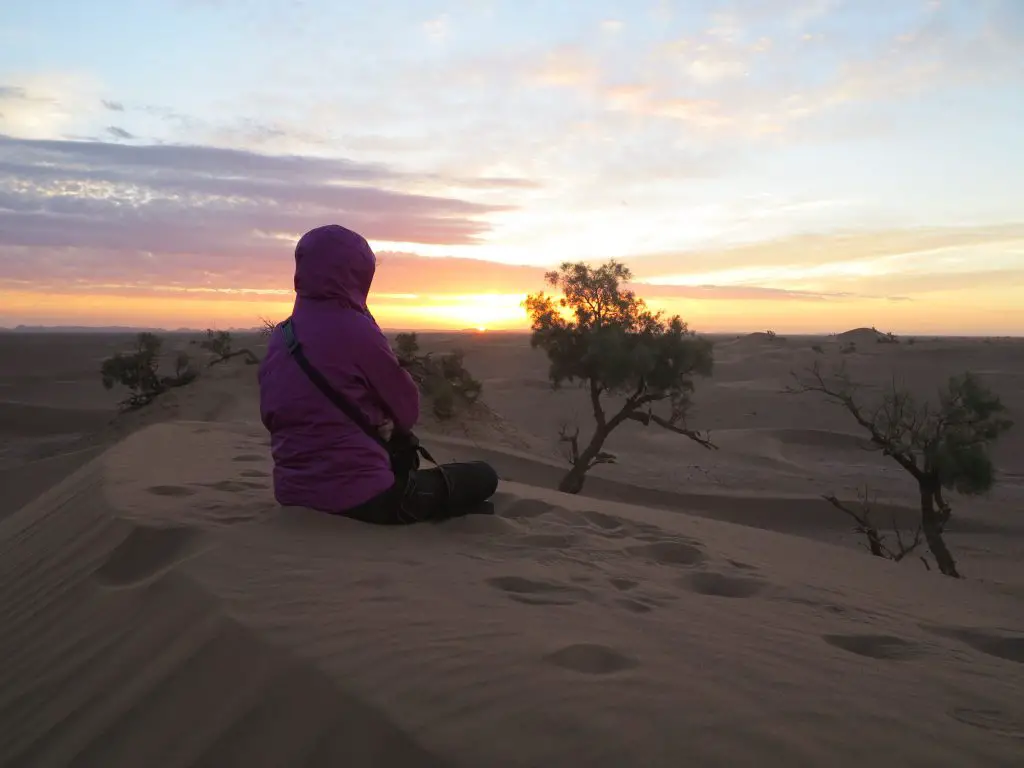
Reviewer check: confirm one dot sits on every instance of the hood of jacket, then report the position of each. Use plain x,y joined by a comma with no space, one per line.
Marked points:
334,264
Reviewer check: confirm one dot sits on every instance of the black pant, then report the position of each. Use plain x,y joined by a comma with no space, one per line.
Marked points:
438,493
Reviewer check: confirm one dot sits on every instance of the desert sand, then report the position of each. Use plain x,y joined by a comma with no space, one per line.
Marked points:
157,607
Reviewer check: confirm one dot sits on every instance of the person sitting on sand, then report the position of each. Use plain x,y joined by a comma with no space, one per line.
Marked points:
326,455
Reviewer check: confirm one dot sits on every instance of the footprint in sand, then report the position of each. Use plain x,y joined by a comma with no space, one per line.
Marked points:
608,526
235,486
523,509
170,490
533,592
228,520
590,659
741,565
652,533
1001,645
640,604
887,647
823,605
721,585
145,554
603,521
623,585
668,553
547,540
987,719
249,457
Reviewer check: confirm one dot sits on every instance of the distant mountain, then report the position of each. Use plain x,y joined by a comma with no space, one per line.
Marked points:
110,329
79,329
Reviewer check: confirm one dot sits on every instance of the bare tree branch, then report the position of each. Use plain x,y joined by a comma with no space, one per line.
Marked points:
702,439
876,540
573,441
886,426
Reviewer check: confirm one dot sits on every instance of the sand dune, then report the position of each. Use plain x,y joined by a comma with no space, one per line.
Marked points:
689,607
860,335
25,481
28,420
159,609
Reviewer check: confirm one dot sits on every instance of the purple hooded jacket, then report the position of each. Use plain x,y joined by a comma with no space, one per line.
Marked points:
321,458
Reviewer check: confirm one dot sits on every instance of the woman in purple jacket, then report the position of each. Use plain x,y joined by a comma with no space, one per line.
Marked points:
322,458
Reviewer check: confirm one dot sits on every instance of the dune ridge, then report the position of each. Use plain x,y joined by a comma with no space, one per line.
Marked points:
160,609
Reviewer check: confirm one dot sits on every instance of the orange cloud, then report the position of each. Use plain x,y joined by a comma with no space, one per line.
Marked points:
827,282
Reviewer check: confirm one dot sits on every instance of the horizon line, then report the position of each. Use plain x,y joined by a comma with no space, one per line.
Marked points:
117,329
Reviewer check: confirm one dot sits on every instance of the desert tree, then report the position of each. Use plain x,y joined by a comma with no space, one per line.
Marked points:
604,338
942,445
442,378
220,343
139,372
407,347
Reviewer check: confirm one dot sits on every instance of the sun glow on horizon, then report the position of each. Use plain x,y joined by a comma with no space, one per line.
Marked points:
997,310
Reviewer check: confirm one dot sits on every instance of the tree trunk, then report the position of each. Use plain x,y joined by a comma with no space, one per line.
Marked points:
575,477
573,480
931,524
874,541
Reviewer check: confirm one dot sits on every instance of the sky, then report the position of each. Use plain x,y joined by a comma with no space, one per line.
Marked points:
799,165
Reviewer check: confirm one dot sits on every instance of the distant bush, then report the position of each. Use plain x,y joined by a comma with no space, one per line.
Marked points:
886,338
770,333
817,348
442,378
848,349
407,347
266,327
220,343
138,371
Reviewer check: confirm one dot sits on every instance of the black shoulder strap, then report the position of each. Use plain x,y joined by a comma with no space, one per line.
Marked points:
343,404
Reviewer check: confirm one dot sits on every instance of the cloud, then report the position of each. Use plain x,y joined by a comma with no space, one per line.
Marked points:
113,106
119,133
43,105
747,73
437,29
817,249
156,163
736,293
262,269
167,199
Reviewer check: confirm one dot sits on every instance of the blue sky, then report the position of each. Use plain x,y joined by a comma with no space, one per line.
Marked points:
695,140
